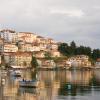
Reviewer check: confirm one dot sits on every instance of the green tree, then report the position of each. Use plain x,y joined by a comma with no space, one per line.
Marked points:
64,49
83,50
72,48
96,54
34,63
73,45
48,56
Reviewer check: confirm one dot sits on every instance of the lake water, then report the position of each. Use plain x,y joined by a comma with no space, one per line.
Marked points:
54,85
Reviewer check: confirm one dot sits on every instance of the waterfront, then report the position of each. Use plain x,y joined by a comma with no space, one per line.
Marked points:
84,85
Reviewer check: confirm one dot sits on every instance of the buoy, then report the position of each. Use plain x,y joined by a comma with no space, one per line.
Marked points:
69,86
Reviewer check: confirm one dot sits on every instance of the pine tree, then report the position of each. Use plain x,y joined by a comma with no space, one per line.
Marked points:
34,63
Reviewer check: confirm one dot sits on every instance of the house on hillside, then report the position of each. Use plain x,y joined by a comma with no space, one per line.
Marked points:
22,59
79,61
39,54
26,37
97,64
47,64
55,53
8,35
8,47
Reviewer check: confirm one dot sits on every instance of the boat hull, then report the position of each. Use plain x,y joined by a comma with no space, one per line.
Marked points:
28,83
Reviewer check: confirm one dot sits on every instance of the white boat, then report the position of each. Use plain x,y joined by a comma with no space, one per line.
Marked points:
28,83
16,73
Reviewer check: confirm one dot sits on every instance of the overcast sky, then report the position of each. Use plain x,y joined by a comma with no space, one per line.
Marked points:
63,20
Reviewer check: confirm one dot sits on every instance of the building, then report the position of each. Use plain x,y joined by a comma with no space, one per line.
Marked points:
50,41
7,47
79,61
40,39
8,35
20,59
97,64
55,53
1,44
42,46
52,46
28,47
26,37
39,54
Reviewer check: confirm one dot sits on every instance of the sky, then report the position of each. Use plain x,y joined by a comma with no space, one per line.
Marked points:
62,20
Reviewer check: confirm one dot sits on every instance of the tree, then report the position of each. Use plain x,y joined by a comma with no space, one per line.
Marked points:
48,56
73,45
34,62
72,48
83,50
64,49
96,54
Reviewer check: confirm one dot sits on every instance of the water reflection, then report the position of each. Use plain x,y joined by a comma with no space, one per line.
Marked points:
54,85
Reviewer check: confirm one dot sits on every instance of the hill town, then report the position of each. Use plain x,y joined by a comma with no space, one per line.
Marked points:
18,48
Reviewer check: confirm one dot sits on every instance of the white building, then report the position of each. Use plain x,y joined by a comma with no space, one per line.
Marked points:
79,60
8,35
97,64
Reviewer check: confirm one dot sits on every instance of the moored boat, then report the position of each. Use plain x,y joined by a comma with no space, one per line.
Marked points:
28,83
16,73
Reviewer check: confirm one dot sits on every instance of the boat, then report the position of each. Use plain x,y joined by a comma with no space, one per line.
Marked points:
16,73
34,91
28,83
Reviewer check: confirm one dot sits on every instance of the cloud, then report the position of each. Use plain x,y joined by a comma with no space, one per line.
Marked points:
64,20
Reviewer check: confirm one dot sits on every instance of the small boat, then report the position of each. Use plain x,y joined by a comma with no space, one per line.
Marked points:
28,83
34,91
16,73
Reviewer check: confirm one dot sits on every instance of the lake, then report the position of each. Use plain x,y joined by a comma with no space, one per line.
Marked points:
54,85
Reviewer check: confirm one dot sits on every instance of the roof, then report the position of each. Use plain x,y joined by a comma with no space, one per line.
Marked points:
26,32
7,30
40,37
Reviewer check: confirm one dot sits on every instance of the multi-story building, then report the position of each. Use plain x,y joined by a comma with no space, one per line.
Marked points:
19,59
40,39
79,61
8,35
39,54
55,53
42,46
1,44
52,46
8,47
26,37
28,47
50,41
